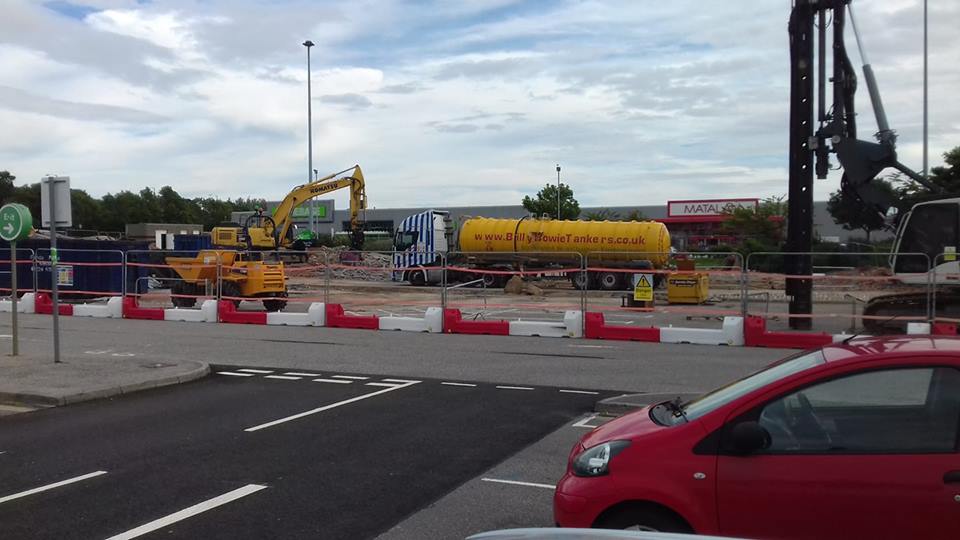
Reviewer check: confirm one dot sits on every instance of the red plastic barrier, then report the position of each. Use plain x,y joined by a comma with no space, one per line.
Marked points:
132,310
44,306
944,329
453,323
756,335
228,313
336,318
597,328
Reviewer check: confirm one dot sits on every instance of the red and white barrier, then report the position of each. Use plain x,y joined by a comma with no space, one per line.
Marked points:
206,313
26,304
572,326
730,334
453,323
113,309
431,322
316,315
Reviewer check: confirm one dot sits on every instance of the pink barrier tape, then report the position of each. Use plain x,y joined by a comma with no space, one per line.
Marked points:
732,272
514,272
831,277
71,291
71,263
157,265
920,318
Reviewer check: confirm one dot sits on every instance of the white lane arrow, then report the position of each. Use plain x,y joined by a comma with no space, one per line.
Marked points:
8,228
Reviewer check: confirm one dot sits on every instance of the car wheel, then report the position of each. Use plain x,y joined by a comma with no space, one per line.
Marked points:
643,519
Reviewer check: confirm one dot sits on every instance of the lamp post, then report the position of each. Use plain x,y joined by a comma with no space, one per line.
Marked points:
308,44
558,192
926,109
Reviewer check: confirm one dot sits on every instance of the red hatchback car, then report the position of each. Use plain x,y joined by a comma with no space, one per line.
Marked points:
857,440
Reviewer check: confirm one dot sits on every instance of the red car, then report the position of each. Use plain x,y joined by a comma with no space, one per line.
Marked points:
857,440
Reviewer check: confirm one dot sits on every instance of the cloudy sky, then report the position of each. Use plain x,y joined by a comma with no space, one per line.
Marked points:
443,102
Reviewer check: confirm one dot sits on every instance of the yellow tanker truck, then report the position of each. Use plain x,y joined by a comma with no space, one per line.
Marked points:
532,245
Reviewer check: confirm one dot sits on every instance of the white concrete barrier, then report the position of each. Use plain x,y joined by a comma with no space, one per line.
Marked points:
113,309
730,334
918,329
315,316
572,326
206,313
431,322
26,304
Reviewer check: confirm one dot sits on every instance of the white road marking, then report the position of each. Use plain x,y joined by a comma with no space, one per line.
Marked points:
515,388
50,486
235,374
326,407
189,512
302,374
585,423
282,377
335,381
388,385
516,483
457,384
592,346
248,370
580,392
400,381
354,377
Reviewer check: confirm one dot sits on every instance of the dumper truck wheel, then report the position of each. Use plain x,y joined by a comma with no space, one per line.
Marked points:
229,289
581,280
274,304
181,287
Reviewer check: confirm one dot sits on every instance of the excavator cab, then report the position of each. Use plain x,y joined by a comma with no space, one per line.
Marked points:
933,229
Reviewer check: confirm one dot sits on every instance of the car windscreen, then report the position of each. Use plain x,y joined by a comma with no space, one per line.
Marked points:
776,371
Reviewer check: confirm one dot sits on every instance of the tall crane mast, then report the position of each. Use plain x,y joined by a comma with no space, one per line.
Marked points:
835,131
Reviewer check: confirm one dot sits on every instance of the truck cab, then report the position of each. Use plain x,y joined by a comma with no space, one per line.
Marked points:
419,244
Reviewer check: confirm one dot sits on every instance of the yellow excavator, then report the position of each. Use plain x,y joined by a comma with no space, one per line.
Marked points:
263,233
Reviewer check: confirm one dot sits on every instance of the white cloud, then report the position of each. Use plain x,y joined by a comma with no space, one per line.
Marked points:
443,103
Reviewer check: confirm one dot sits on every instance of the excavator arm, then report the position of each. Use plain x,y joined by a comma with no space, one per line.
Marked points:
352,178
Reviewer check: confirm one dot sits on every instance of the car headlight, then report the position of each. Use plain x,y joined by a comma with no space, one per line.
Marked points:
595,460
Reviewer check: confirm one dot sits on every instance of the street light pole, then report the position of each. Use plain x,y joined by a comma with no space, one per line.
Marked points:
308,44
926,109
558,192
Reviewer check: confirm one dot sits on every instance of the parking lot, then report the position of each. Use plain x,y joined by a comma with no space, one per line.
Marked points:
313,432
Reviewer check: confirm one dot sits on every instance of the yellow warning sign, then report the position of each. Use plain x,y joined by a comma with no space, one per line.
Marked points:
643,287
950,254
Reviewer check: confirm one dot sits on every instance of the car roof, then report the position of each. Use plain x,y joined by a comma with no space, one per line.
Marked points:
892,346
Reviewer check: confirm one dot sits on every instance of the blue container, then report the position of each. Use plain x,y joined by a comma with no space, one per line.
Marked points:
192,242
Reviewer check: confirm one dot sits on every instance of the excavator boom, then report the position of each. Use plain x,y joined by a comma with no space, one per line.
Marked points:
352,178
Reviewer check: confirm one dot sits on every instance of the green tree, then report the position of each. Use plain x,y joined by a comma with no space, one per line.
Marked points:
87,211
7,189
946,177
545,202
601,215
635,215
760,230
850,213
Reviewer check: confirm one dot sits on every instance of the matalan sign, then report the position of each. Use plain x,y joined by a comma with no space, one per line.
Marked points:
712,207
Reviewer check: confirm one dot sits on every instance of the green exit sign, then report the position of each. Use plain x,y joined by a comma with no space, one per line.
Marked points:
304,211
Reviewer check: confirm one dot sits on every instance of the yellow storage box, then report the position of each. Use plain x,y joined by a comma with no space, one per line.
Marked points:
687,288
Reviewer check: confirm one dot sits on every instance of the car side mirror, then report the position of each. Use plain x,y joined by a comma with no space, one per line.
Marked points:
748,437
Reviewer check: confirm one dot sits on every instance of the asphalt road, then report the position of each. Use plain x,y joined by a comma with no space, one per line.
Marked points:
607,365
263,453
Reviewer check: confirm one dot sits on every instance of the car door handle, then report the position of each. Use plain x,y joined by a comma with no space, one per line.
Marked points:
951,477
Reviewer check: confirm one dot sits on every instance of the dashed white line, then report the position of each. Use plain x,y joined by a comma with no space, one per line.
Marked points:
458,384
353,377
189,512
327,407
297,374
388,385
50,486
516,483
580,392
282,377
515,387
260,371
334,381
401,381
235,374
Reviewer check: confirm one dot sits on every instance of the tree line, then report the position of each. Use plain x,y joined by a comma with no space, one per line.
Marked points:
112,212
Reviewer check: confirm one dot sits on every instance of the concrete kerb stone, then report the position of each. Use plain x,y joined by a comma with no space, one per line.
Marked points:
200,370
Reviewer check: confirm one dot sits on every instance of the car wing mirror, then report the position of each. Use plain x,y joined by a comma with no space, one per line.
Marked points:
749,437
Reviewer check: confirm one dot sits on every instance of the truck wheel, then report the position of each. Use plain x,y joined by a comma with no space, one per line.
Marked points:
581,280
181,287
610,281
232,290
417,278
494,281
274,304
